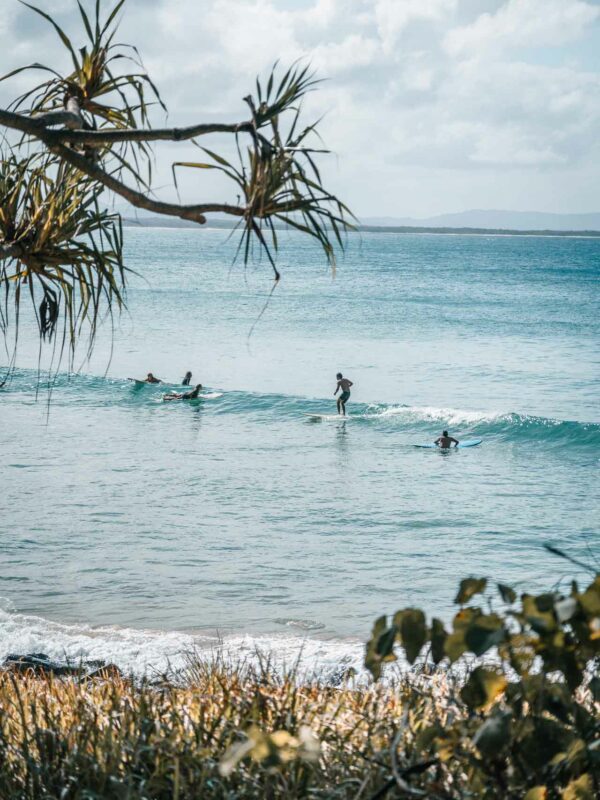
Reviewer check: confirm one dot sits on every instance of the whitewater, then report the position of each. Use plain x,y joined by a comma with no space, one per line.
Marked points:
137,531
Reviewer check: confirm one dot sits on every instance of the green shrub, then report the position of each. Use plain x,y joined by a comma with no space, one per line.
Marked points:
525,722
517,717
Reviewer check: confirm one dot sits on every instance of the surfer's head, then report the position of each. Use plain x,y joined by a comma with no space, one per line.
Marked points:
444,433
188,375
150,375
198,386
339,376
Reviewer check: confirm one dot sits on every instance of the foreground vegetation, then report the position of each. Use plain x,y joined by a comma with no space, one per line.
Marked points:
521,722
231,732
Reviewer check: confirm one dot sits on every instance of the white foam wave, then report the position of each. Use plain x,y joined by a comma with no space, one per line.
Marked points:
311,656
451,416
134,651
148,652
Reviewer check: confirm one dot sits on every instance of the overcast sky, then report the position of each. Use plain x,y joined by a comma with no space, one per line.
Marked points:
431,105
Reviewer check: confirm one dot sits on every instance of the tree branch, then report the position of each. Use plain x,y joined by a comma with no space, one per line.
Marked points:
137,199
112,135
9,250
36,126
52,139
32,125
59,117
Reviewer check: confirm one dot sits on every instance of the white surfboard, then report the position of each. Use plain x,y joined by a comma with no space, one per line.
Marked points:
326,417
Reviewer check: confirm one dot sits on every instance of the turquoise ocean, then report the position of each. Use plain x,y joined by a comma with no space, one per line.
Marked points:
136,530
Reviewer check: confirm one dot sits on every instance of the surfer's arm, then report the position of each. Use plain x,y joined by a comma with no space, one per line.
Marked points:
337,388
456,442
437,442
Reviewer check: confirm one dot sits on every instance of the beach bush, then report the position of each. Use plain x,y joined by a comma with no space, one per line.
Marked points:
525,723
227,732
503,705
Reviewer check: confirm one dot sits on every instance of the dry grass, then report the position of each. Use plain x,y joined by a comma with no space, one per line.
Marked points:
115,739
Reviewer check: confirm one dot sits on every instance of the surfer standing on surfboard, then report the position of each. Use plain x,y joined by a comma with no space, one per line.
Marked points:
445,441
344,384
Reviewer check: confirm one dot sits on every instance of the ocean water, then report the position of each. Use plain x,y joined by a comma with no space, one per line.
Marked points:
137,530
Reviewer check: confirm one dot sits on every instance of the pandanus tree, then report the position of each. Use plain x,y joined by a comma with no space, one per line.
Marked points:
79,136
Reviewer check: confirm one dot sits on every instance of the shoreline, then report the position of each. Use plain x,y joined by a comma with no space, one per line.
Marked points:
143,651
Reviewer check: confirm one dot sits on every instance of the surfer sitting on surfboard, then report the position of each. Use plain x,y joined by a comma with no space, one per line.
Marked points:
187,378
344,384
186,395
446,441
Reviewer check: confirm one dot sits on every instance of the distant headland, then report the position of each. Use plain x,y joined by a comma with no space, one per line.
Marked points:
147,221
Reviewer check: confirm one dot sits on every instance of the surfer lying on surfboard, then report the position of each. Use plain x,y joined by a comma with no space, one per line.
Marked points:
344,384
185,395
445,441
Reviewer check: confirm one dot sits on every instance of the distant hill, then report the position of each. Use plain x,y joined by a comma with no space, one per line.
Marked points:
504,220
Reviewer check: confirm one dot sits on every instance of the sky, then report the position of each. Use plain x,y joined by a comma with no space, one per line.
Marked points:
429,106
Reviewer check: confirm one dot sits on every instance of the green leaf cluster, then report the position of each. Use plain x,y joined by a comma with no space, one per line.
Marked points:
51,184
525,721
104,94
59,248
66,251
277,176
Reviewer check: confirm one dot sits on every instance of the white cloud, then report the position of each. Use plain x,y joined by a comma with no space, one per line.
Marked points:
511,146
353,52
409,91
523,23
393,16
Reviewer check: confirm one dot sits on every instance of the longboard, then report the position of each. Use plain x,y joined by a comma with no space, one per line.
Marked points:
320,417
466,443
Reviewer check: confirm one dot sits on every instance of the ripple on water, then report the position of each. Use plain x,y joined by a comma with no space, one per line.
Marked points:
301,624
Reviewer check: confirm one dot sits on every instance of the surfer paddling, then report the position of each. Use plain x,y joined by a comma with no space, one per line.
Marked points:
445,441
184,395
148,379
344,384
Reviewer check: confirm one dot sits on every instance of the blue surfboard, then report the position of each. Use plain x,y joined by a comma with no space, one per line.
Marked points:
466,443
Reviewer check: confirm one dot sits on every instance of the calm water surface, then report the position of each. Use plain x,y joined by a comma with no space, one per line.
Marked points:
132,528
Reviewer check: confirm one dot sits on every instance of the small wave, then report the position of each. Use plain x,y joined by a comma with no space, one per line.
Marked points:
93,390
303,624
509,426
451,416
147,652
